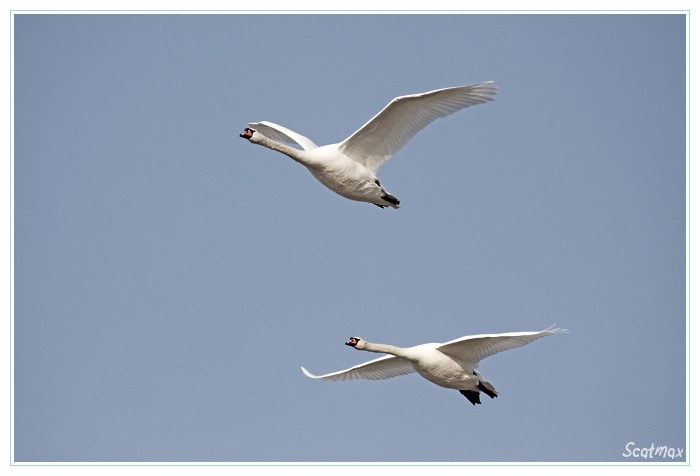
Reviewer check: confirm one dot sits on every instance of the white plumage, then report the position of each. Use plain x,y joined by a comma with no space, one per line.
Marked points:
349,168
451,364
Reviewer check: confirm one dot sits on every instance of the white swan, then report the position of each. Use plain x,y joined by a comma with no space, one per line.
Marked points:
450,365
349,167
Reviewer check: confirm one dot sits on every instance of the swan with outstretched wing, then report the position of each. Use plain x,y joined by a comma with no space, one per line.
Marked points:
349,168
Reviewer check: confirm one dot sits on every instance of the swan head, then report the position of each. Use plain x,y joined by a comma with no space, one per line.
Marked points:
254,136
357,342
247,133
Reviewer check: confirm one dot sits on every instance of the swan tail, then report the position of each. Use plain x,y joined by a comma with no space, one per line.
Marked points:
472,396
488,389
389,198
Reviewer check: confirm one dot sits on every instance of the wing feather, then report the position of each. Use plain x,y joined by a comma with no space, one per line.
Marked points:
377,369
282,134
472,349
388,131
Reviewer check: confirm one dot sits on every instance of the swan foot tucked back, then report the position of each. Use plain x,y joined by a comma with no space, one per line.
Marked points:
450,365
349,168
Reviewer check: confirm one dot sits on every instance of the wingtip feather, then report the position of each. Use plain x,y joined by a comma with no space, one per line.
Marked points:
307,373
556,330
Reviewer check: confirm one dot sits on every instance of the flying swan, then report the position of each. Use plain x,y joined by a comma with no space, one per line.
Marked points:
450,365
349,168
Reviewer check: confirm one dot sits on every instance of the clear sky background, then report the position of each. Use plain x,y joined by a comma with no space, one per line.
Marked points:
171,278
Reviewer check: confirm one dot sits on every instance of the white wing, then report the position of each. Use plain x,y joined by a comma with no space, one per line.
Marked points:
472,349
387,132
377,369
282,134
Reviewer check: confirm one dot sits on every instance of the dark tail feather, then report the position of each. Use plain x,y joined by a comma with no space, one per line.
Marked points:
472,396
491,392
390,198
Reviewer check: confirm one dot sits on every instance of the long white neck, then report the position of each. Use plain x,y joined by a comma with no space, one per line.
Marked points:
287,150
384,349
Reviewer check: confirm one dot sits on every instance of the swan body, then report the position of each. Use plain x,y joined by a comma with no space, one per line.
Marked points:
451,364
349,168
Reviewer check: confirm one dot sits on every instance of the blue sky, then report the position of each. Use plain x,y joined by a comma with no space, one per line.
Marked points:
171,278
